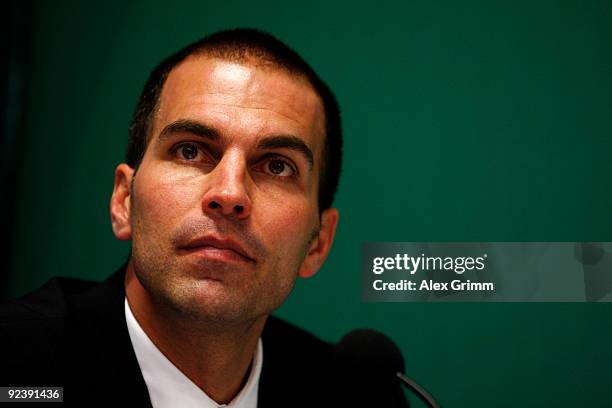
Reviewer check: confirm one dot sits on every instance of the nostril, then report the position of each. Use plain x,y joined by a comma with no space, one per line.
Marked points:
236,209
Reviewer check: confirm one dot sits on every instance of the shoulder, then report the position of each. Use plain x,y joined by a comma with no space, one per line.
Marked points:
301,368
38,319
32,326
280,334
293,360
42,331
286,346
48,302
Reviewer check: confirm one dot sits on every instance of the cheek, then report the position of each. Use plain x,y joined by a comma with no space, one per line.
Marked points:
287,225
163,196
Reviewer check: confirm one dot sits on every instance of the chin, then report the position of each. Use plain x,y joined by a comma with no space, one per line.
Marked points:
212,301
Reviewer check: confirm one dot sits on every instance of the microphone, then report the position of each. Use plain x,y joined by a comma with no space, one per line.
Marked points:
369,351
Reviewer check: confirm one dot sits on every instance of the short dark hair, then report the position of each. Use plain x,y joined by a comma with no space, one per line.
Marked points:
244,45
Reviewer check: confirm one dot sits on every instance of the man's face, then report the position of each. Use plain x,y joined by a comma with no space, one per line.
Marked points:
222,211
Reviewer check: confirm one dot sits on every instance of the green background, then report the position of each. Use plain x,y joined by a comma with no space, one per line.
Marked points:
464,121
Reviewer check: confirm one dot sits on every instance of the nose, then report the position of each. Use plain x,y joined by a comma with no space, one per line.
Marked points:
227,193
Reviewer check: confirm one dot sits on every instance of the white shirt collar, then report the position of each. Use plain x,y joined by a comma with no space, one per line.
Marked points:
169,387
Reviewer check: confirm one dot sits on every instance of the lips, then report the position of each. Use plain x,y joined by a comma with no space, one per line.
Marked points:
222,248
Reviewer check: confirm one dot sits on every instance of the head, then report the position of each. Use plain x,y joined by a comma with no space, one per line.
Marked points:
251,47
232,164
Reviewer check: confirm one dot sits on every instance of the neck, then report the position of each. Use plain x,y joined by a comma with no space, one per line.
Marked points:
216,358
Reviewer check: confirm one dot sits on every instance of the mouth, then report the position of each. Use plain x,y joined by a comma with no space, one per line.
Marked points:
220,249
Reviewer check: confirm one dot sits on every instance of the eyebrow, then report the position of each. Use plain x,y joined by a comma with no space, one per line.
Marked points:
189,126
271,142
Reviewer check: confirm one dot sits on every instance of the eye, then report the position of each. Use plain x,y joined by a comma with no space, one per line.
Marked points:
278,168
187,151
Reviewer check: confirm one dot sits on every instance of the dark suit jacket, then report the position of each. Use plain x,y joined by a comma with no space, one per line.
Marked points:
73,333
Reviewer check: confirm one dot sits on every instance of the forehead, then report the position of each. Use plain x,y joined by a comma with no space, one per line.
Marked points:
242,99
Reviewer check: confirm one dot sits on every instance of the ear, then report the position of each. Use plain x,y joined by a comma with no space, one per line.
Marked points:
120,202
319,249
